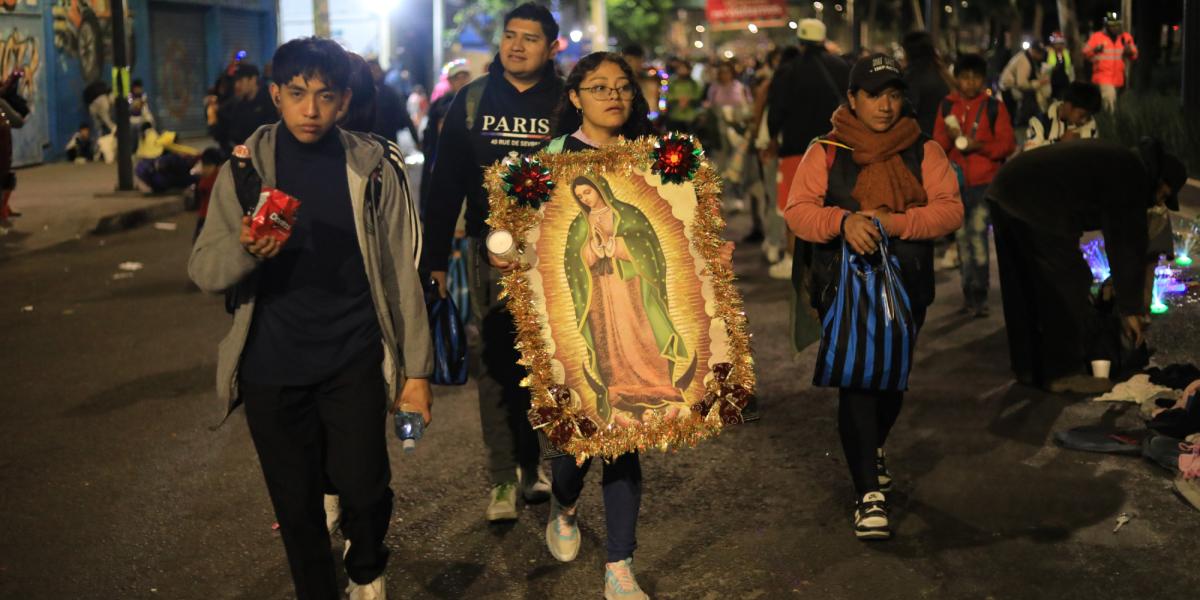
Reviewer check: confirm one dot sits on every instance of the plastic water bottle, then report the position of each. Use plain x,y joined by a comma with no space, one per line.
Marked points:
409,427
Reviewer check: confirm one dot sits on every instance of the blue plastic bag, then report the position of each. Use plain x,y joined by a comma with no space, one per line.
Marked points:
449,338
867,333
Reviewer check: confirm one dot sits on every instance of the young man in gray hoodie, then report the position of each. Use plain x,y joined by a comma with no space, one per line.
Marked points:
330,328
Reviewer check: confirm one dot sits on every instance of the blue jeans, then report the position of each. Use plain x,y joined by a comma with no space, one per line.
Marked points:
972,241
622,487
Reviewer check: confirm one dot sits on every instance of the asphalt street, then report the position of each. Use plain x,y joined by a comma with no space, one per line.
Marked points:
116,483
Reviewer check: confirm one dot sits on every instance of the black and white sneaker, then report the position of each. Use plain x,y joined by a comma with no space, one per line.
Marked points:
885,476
871,518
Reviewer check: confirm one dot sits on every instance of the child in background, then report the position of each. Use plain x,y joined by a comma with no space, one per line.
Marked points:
210,164
139,106
81,148
976,132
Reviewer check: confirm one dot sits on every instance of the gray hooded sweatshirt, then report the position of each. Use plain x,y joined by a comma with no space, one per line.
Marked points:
388,236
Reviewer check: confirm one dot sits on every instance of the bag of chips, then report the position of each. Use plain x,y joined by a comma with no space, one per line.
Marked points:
274,215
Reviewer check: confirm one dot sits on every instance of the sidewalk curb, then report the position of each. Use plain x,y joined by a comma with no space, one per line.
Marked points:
128,219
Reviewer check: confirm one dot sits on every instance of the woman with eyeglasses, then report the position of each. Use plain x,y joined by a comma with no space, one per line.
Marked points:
601,104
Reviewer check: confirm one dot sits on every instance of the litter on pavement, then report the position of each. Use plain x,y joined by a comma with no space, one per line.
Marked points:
1169,436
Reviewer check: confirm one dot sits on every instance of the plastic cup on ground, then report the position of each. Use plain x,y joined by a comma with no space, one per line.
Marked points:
1100,368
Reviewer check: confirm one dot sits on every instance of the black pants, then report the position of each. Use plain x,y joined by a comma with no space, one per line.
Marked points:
1045,286
85,152
622,486
335,427
865,418
503,403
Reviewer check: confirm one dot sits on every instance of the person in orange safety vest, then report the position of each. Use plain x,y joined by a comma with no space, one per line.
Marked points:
1108,49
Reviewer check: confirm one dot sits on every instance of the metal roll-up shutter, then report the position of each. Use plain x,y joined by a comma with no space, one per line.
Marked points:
242,30
177,35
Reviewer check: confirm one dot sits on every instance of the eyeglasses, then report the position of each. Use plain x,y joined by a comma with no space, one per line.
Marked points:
603,92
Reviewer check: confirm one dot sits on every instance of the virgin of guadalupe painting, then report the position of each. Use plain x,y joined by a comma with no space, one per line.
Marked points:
636,358
627,321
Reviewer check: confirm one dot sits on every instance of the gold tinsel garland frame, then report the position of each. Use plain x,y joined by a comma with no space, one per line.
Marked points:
688,429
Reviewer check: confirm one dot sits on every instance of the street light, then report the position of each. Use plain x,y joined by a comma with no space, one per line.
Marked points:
699,44
819,6
793,25
752,27
699,29
576,35
729,54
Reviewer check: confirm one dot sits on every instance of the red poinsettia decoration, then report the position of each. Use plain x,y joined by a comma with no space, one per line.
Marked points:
676,157
527,180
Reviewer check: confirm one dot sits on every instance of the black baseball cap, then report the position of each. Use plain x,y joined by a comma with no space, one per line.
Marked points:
876,72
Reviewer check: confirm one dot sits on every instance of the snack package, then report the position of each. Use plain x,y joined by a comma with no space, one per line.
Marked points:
274,215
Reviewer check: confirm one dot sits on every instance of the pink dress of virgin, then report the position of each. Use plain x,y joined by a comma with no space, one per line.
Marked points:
633,370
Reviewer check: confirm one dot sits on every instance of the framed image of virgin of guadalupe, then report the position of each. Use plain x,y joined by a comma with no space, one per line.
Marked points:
627,321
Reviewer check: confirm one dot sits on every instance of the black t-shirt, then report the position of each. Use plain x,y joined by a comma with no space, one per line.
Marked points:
313,310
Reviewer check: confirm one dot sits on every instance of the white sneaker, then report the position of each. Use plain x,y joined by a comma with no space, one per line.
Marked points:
376,590
562,532
781,269
871,518
950,259
333,512
619,582
503,506
773,253
535,490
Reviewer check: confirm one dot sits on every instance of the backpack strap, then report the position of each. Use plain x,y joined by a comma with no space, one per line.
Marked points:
831,146
393,159
247,183
474,94
992,106
993,113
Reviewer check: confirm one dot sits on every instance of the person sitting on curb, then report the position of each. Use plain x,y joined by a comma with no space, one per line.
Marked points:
81,148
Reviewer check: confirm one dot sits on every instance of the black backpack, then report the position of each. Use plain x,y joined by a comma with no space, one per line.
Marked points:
992,108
